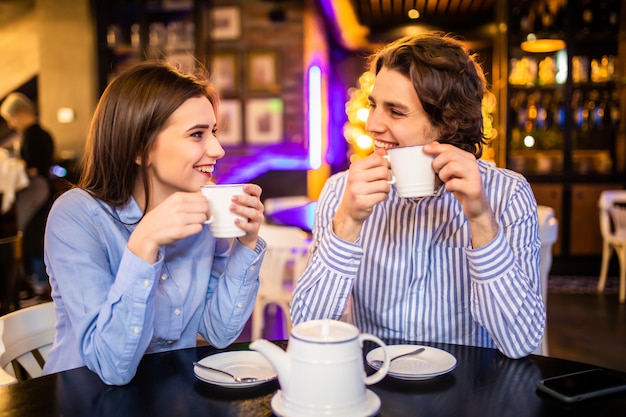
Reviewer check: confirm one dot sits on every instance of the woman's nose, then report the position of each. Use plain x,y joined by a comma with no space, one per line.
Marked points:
214,149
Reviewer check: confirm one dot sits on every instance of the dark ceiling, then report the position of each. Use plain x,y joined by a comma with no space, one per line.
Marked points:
382,16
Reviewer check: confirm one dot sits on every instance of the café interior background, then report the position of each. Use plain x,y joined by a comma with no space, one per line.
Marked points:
291,74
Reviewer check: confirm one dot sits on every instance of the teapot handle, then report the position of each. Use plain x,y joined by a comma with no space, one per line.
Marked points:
380,374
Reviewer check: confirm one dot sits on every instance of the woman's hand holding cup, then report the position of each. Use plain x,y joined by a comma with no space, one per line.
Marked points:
235,211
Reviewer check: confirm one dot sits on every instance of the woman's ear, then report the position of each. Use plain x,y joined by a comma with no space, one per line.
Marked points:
139,159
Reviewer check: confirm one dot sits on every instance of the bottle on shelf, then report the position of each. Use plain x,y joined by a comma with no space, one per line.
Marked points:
612,113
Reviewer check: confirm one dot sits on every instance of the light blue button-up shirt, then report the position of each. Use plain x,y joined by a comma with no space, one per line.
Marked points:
113,307
413,274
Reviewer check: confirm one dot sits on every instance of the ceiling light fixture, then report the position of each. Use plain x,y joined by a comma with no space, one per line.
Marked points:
543,22
542,45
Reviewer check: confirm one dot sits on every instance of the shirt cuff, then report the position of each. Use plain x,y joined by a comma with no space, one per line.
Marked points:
341,256
492,260
243,257
136,277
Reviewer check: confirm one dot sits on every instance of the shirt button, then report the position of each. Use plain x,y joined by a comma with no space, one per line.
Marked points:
239,305
169,342
177,312
136,330
163,277
146,282
251,268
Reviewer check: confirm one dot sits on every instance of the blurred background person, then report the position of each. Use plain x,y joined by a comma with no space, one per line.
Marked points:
32,203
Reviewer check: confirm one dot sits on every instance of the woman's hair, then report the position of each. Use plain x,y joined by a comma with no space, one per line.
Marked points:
449,82
16,103
131,112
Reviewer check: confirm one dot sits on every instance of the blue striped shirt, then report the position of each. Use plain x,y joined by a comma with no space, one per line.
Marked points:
413,274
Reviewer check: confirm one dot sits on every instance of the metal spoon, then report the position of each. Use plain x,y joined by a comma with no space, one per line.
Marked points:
235,377
379,363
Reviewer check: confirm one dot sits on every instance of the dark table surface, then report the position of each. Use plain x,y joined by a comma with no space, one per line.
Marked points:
485,383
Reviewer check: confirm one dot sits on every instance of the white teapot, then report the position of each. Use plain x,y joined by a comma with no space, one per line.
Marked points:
321,373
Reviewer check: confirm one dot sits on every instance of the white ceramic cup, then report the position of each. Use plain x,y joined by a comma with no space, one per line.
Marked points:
412,171
222,221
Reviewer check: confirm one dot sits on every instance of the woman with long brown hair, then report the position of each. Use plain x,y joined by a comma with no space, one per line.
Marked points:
133,267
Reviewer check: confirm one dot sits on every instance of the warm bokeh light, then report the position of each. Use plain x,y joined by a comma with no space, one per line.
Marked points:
364,142
357,109
413,14
529,141
534,44
362,113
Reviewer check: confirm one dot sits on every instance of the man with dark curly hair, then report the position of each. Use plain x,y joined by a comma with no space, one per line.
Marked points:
460,266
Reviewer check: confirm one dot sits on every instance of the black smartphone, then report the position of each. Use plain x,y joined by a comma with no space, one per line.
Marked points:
580,386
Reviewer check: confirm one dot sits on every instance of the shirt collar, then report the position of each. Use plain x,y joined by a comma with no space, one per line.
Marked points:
130,213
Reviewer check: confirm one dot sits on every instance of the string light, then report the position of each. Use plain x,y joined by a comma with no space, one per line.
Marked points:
357,110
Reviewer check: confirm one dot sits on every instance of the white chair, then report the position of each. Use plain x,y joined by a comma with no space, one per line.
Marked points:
613,230
5,377
285,259
27,335
548,234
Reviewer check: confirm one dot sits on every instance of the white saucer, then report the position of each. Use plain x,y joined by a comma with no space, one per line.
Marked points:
425,365
241,363
372,405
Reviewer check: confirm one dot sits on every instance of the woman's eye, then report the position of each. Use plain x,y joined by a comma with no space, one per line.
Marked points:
199,134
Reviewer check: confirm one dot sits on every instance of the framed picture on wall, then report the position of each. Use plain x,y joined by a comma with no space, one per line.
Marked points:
225,23
229,129
225,72
264,120
262,70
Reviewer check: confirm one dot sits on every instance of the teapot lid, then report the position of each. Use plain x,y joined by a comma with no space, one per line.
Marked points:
325,331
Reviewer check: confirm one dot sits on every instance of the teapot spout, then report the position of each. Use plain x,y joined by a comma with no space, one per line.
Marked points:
277,357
